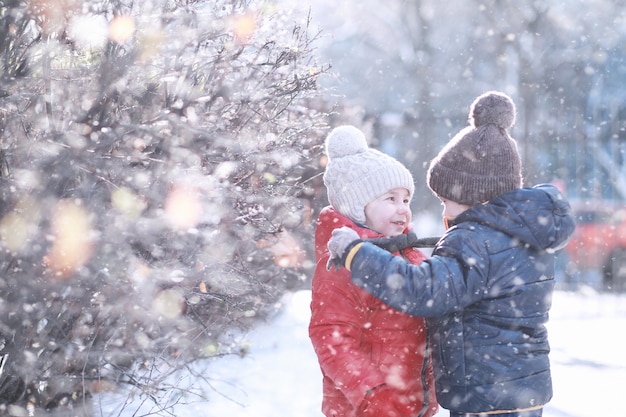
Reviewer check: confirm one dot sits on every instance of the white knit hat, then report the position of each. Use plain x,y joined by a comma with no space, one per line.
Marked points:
356,174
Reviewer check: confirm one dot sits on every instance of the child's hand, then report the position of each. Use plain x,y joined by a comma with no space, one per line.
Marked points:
339,241
383,401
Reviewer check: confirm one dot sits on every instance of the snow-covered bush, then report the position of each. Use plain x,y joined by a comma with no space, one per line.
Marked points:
158,161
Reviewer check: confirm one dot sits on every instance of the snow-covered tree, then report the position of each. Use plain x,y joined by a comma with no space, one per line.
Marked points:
158,163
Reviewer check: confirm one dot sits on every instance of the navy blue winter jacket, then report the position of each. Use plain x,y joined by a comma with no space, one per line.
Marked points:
487,291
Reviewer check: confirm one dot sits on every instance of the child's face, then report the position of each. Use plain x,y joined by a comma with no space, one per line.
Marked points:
451,209
390,213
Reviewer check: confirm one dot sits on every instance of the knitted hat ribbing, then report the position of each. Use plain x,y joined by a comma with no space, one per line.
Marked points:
356,174
481,161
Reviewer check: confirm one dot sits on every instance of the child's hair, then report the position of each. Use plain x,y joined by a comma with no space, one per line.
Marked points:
357,174
482,160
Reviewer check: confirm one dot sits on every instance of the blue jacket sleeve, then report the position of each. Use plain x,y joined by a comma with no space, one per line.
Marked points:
441,285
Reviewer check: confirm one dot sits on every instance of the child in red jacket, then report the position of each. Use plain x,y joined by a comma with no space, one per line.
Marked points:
375,360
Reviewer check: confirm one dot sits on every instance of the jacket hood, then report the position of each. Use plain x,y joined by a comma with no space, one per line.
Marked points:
540,216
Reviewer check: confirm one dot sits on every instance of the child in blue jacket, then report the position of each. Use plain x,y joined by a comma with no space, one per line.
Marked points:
487,288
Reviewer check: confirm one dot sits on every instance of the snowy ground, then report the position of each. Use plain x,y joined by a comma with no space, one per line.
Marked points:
280,377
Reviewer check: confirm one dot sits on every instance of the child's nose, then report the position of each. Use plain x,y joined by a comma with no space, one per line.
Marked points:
403,208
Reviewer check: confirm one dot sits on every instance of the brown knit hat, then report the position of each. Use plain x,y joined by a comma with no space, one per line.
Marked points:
481,161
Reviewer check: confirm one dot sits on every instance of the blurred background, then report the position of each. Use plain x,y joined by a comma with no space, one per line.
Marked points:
409,70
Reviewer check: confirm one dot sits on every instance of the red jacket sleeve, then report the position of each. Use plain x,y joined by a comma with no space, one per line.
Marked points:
339,318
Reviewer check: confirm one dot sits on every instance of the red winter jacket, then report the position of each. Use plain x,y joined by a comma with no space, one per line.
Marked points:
360,342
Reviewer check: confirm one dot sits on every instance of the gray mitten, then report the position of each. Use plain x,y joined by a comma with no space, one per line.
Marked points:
341,238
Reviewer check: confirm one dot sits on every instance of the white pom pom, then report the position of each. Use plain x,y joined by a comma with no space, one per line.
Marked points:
344,141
